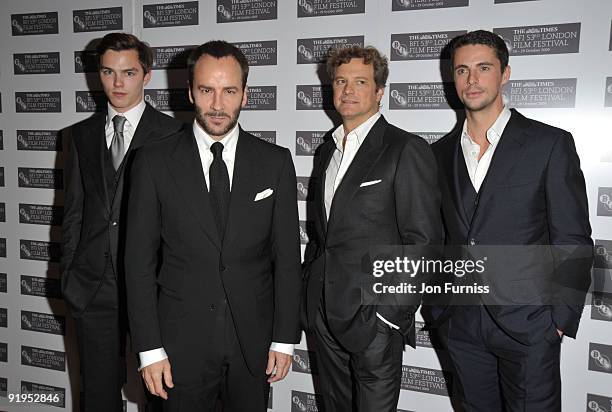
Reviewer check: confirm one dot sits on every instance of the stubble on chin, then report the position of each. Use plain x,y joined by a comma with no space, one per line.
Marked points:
215,132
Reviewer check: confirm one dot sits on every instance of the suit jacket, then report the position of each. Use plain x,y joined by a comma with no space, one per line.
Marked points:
533,195
92,226
255,270
402,209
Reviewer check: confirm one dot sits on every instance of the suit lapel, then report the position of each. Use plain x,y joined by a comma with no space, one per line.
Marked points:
185,166
103,171
507,154
94,147
364,160
244,177
146,129
327,150
457,162
150,127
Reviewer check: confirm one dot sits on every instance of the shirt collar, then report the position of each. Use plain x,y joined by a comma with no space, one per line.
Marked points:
229,141
495,131
359,133
132,116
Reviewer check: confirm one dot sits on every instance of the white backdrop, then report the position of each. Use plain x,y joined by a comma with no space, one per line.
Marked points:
562,74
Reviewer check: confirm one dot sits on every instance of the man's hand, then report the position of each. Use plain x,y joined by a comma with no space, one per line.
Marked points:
153,375
279,364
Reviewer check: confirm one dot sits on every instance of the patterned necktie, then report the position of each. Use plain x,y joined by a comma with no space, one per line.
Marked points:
219,187
117,147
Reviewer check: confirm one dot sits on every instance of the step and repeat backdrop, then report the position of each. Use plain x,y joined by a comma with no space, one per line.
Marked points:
561,59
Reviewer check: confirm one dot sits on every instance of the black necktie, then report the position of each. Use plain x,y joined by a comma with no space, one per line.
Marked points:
219,187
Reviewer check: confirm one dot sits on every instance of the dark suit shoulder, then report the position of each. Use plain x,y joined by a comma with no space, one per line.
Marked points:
164,123
271,152
542,130
322,153
263,146
84,127
447,142
399,137
328,144
166,145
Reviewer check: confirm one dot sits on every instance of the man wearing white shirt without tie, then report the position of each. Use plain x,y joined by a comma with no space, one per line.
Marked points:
377,185
511,181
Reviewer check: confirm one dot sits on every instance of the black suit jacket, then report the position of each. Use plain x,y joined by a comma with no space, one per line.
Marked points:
402,209
255,269
533,195
92,226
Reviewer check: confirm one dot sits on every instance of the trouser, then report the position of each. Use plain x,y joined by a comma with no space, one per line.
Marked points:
222,375
498,373
364,381
101,337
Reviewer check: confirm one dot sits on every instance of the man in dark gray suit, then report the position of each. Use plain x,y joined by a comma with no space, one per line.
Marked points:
377,185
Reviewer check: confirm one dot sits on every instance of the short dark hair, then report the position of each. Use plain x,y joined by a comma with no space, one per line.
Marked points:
218,49
125,41
485,38
369,54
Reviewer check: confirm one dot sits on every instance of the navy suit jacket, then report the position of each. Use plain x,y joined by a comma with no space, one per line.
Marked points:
532,197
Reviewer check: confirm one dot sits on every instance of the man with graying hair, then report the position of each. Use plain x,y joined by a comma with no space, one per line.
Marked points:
377,185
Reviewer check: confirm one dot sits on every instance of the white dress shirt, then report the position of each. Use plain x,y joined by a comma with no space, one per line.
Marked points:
204,142
477,169
341,160
132,118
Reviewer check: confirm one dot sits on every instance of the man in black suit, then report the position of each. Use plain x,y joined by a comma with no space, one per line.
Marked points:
377,186
516,183
216,210
92,262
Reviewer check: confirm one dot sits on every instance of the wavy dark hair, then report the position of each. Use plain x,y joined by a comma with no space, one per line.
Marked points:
125,41
369,54
486,38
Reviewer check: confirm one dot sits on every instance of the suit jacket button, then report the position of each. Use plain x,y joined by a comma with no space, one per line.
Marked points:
222,268
212,307
106,254
472,242
114,223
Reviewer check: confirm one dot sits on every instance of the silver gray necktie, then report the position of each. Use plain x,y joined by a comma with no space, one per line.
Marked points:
117,146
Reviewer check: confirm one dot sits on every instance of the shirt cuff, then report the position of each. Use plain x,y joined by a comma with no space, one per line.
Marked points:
391,325
286,348
151,356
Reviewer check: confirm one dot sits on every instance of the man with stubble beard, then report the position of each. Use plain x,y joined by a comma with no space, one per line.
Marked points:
513,186
216,209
